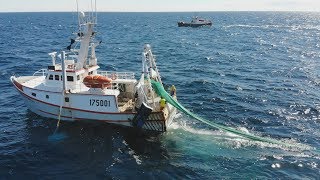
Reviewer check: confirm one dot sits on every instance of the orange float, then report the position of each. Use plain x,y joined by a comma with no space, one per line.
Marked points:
97,81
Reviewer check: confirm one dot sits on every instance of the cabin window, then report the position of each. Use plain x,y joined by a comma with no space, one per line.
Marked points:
56,77
51,77
78,77
69,78
47,96
66,99
34,94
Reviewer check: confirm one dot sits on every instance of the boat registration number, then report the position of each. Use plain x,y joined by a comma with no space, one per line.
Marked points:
98,102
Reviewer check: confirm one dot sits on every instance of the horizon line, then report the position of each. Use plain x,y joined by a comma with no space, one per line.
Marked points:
164,11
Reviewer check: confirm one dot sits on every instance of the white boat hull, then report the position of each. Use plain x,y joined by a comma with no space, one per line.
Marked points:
157,121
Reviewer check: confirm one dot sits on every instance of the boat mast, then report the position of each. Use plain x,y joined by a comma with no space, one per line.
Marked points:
151,61
64,74
86,33
150,69
154,65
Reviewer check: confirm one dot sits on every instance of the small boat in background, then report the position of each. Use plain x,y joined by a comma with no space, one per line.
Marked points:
195,22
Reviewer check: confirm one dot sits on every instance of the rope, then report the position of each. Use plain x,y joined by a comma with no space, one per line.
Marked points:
59,116
58,136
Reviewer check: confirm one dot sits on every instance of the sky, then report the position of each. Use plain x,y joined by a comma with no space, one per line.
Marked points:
160,5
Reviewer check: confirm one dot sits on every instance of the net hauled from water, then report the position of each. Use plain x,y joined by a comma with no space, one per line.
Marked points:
159,89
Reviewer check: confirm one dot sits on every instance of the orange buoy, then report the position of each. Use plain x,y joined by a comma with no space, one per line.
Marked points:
97,81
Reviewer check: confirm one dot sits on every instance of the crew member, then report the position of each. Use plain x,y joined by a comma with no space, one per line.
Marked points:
162,103
173,90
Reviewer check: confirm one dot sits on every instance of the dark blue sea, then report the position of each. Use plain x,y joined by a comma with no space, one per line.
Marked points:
258,72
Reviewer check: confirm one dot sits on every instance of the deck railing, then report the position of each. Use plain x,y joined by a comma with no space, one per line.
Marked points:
117,75
41,72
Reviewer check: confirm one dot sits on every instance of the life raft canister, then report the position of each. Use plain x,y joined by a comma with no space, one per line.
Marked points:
97,81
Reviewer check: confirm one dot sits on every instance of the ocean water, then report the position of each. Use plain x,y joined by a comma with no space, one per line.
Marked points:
258,72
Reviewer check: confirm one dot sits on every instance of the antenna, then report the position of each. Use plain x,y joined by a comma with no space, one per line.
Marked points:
78,13
91,10
95,4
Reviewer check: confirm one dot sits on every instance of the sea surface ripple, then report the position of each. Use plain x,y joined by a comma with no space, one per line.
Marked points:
258,72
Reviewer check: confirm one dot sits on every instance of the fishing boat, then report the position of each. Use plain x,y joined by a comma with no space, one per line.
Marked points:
73,88
195,22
